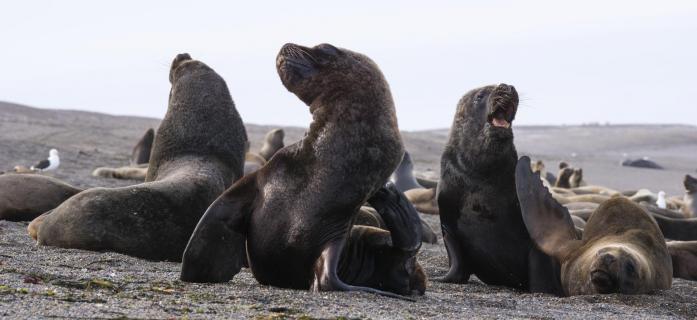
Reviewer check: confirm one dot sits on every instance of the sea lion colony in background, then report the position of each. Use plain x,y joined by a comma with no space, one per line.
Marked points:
317,214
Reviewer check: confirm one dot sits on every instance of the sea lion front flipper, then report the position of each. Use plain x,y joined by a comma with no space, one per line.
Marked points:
216,250
684,257
400,217
549,223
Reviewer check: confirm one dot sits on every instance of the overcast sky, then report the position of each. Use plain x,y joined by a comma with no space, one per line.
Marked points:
572,62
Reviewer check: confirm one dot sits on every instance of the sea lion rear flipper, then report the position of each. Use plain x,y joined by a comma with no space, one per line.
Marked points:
549,223
400,217
216,250
684,257
327,278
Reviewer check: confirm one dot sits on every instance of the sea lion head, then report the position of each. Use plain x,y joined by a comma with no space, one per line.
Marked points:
690,184
576,178
617,268
491,110
324,72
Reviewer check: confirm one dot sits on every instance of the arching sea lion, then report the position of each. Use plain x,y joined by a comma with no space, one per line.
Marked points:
272,143
188,169
295,213
480,216
622,249
24,197
142,149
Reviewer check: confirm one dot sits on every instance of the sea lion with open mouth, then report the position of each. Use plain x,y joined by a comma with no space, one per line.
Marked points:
295,214
480,216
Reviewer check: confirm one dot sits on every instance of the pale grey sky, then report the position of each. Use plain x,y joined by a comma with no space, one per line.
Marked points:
572,61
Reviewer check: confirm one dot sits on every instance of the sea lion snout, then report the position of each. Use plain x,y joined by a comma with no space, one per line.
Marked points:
178,61
503,105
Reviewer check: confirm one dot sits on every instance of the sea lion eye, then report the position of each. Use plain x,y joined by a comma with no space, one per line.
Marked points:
327,49
479,96
629,268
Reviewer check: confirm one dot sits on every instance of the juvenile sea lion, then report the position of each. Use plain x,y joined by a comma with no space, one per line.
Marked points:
483,230
689,208
141,151
272,143
24,197
621,250
403,176
295,213
188,169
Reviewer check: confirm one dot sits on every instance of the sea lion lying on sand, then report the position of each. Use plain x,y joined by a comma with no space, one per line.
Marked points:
188,169
138,168
295,214
24,197
622,249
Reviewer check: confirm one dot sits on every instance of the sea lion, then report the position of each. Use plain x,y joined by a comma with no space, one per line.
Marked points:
273,141
424,200
24,197
127,173
563,178
644,195
427,183
682,229
188,169
622,249
295,213
594,190
368,216
23,170
253,162
689,208
403,176
581,205
549,178
576,178
141,151
684,256
480,216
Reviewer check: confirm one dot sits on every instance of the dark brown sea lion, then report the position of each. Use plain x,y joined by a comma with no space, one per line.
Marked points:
576,179
141,151
689,209
622,249
684,256
189,167
24,197
480,216
563,178
295,213
368,216
272,143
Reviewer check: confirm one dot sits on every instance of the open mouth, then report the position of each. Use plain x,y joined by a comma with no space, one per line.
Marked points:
502,116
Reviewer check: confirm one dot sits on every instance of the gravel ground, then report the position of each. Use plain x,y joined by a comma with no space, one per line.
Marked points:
45,282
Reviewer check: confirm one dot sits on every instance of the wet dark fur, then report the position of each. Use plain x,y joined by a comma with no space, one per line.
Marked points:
189,167
480,216
306,197
24,197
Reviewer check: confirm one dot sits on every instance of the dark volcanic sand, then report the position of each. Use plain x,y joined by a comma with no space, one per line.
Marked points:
44,282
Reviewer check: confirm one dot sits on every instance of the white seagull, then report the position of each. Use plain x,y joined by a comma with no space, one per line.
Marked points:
661,202
49,164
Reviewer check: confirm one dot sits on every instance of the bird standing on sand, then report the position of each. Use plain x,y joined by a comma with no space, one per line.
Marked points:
661,202
49,164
